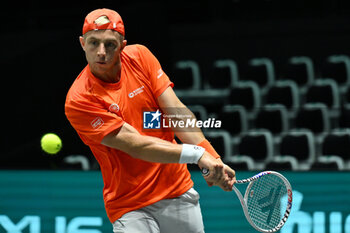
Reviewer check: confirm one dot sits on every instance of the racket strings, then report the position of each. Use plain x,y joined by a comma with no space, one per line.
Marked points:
264,201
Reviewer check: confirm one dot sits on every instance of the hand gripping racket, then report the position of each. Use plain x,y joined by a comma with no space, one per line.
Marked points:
267,201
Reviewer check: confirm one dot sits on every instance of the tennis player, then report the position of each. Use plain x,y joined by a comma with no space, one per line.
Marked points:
147,187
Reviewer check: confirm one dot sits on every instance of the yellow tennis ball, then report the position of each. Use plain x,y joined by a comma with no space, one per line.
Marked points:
51,143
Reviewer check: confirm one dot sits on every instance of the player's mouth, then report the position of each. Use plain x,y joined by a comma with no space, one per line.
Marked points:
101,62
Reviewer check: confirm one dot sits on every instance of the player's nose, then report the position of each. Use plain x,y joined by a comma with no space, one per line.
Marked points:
101,52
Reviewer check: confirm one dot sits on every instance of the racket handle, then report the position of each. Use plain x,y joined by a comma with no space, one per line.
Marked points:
205,171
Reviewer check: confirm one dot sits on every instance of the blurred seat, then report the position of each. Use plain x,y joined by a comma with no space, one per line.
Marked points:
258,145
262,72
324,91
80,161
273,117
223,75
301,70
337,143
199,111
337,67
240,164
284,92
344,118
212,100
328,163
221,141
282,163
187,75
234,119
298,145
313,116
246,94
346,95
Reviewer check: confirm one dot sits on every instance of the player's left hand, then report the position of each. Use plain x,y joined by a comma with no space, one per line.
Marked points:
230,177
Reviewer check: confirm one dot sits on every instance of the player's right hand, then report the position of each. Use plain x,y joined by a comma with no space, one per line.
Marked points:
219,174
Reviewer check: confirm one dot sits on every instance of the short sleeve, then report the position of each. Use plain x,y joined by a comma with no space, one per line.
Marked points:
158,78
92,122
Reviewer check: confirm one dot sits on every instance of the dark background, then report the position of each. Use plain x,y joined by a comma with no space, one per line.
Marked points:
41,55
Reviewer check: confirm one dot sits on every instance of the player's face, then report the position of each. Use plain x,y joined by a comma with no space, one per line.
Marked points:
102,49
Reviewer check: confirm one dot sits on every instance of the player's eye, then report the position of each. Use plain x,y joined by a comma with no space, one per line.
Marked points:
93,42
110,45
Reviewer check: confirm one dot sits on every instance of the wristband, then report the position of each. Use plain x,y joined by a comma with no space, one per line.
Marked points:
191,153
209,148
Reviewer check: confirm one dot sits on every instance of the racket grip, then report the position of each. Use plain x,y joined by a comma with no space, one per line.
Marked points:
205,171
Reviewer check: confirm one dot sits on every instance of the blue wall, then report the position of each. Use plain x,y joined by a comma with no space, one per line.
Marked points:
71,202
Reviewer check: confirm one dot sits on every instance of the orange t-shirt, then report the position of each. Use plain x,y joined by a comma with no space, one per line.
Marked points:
96,108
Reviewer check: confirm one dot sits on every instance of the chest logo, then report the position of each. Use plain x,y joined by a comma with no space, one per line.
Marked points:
136,92
114,108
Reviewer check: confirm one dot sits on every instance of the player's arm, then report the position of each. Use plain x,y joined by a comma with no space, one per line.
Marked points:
171,105
152,149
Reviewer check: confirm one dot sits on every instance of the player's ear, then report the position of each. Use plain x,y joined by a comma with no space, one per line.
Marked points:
82,42
123,45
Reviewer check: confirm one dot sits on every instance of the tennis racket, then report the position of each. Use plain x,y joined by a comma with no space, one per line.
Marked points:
267,201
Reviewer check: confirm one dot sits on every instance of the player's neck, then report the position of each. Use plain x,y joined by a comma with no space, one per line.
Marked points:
109,76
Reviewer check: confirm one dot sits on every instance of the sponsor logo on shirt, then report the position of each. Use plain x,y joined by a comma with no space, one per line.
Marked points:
97,123
159,73
136,92
114,108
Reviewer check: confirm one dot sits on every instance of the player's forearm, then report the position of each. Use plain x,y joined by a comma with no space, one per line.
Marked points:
172,106
153,149
191,135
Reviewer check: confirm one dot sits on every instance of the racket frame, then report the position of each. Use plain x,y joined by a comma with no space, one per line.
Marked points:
243,200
